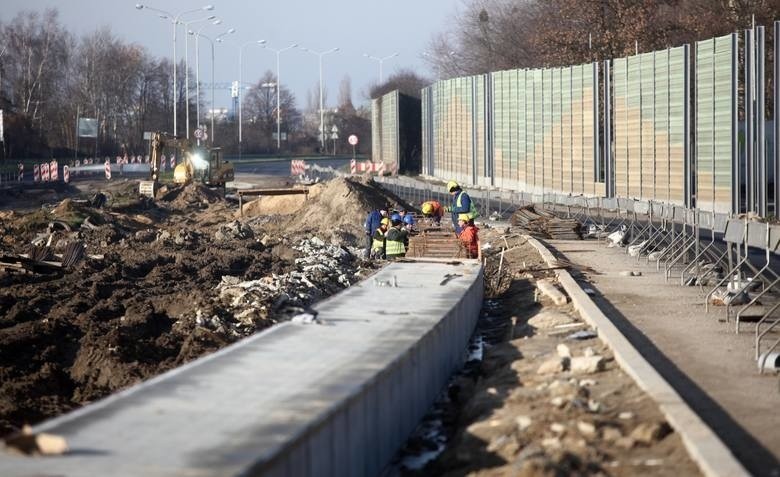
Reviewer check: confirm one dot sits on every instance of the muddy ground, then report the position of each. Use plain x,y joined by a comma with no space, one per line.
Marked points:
522,410
163,283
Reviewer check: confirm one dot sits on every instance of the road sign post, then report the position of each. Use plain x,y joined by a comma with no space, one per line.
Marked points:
353,141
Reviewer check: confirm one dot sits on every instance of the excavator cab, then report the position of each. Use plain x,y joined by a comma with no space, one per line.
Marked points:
198,164
205,166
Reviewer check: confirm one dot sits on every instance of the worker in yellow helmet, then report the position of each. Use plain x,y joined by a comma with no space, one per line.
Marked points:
432,209
461,204
469,236
378,239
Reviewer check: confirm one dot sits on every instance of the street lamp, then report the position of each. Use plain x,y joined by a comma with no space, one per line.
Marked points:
199,35
278,88
240,86
322,111
197,69
187,66
380,60
175,22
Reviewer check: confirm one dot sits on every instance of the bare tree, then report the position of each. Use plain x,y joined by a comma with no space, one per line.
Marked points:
345,94
405,80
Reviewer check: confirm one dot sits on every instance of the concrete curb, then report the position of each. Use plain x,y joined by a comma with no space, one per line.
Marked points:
703,445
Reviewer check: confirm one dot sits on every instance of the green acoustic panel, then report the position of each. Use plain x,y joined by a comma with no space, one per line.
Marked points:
715,110
649,114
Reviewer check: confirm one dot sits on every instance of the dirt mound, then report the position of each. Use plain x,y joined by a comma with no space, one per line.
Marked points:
340,209
281,204
190,195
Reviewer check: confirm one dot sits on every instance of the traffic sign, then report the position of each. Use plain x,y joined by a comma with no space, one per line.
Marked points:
353,140
199,133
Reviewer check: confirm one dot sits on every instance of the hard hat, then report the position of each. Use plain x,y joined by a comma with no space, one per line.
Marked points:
395,217
464,217
385,221
408,219
452,185
427,208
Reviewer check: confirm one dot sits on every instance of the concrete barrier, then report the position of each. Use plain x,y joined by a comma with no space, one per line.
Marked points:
331,399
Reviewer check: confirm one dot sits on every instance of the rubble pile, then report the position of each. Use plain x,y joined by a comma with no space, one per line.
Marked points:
337,210
321,270
546,225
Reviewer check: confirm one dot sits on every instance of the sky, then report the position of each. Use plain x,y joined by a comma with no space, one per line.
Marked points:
377,27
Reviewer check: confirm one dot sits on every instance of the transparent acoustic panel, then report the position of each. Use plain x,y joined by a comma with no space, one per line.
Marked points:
566,127
634,127
588,129
647,132
577,131
676,155
620,117
555,133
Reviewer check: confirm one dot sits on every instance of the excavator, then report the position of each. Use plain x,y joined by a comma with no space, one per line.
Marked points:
200,164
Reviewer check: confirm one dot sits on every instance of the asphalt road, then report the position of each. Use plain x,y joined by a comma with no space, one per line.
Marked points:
281,167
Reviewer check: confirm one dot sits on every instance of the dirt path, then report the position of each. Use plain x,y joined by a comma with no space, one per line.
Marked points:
533,407
708,364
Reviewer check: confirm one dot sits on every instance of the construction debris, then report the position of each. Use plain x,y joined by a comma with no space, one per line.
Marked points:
546,225
28,443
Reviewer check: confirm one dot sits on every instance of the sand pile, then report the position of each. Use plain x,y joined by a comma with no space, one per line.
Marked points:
340,208
281,204
334,210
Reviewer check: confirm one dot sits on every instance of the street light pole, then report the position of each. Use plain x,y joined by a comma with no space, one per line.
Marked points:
197,69
322,111
232,30
278,94
174,21
240,87
381,61
187,69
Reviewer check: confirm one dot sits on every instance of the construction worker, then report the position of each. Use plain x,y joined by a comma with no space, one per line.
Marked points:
469,236
371,225
395,238
432,209
408,222
378,239
461,204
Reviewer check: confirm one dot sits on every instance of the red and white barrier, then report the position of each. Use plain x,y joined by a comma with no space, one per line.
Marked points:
297,167
352,166
108,170
173,162
66,174
53,171
21,172
45,172
368,167
36,173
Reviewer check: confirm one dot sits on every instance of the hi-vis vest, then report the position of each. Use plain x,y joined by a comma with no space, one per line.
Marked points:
394,248
377,244
472,213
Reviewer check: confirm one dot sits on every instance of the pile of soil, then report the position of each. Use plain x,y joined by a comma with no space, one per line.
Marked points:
281,204
147,300
338,211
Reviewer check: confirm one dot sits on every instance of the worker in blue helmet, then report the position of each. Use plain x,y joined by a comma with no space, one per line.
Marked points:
396,238
409,222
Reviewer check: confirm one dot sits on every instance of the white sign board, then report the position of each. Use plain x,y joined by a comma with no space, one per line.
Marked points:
2,134
353,140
